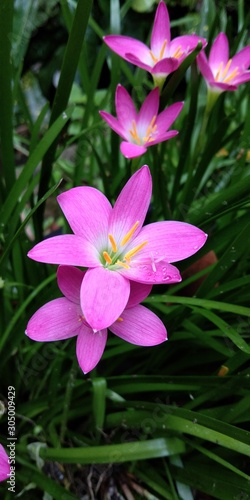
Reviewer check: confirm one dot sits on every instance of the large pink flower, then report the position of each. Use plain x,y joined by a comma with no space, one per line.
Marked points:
4,464
63,318
164,56
144,129
220,72
112,243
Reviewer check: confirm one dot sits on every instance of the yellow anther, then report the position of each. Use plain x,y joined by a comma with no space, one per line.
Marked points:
134,132
132,252
107,257
163,49
218,74
119,319
129,234
122,264
223,371
113,243
178,53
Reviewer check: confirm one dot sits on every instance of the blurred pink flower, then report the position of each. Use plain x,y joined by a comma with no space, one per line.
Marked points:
164,56
63,318
220,72
143,129
112,243
4,464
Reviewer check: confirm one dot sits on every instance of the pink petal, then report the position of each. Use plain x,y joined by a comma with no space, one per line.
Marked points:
4,465
104,295
130,150
162,137
170,240
138,292
132,204
219,52
186,44
168,116
161,29
221,87
67,249
140,326
59,319
69,280
152,271
114,124
90,347
245,77
125,108
165,67
148,110
123,45
204,67
146,64
241,60
87,210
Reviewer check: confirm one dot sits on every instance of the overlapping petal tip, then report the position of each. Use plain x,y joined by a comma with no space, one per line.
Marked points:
67,249
103,296
132,204
4,464
219,52
114,124
90,347
56,320
164,67
79,207
125,108
161,28
124,45
140,326
69,280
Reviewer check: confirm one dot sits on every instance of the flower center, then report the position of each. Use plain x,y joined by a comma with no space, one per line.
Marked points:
147,136
161,54
116,255
222,74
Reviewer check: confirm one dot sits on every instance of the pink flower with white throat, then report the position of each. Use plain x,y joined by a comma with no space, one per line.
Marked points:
143,129
221,72
62,318
164,55
115,246
4,464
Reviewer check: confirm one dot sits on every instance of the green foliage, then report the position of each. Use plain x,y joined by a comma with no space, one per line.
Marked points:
168,422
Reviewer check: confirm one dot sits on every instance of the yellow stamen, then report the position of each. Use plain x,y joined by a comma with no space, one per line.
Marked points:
107,257
113,243
217,76
223,371
129,234
230,77
134,132
162,49
177,53
226,68
153,56
132,252
119,319
150,130
120,263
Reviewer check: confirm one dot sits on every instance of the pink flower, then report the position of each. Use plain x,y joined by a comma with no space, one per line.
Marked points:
112,243
63,318
4,464
145,128
220,72
164,56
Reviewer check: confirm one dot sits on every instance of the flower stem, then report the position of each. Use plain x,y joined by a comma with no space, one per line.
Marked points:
67,399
